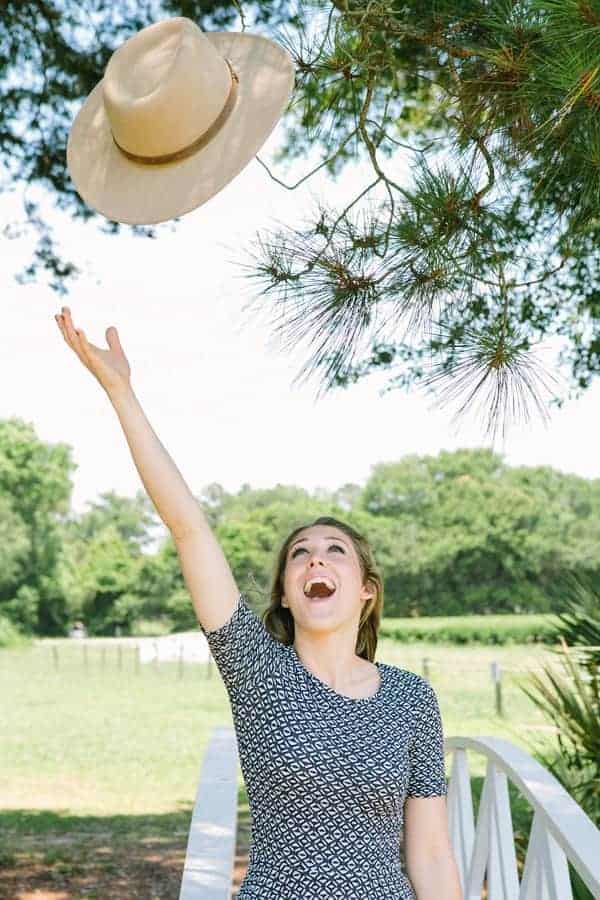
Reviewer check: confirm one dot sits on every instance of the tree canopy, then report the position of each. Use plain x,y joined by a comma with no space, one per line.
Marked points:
452,534
448,281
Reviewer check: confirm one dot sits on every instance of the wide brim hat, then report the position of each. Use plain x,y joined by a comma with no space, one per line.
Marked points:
179,113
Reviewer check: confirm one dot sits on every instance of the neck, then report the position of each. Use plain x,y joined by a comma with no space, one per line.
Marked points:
331,657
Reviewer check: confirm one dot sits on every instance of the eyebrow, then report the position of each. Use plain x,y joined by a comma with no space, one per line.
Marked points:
331,537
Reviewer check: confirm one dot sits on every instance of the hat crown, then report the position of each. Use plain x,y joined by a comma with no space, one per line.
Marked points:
164,88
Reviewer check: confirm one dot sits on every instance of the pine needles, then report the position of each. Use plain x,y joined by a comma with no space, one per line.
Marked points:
453,266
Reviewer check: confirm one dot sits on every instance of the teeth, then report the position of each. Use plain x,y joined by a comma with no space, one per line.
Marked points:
317,580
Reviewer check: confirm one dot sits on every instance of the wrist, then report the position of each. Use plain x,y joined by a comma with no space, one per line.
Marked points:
120,396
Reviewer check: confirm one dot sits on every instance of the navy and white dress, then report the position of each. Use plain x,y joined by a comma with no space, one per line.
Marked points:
326,775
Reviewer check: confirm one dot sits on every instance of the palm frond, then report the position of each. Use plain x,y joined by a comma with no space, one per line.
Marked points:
572,700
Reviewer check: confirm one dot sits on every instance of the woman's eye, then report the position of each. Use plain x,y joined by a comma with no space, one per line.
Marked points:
332,546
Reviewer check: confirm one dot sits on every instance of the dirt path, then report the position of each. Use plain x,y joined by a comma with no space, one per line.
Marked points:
75,866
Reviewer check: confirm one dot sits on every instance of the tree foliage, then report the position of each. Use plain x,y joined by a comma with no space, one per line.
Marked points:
35,490
449,279
493,245
453,534
52,54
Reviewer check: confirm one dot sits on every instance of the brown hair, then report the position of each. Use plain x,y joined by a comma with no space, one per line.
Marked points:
278,620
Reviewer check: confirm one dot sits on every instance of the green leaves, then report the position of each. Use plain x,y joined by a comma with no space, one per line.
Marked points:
496,228
571,699
506,199
455,533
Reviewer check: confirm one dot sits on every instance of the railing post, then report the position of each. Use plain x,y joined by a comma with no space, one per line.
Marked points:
461,821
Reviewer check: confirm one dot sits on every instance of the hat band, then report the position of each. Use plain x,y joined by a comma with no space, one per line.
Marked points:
201,141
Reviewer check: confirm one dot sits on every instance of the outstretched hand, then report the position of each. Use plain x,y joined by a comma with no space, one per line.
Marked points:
110,367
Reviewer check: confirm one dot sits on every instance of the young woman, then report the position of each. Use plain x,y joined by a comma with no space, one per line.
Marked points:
341,755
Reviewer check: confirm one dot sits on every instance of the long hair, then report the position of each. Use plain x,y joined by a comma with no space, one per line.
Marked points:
278,620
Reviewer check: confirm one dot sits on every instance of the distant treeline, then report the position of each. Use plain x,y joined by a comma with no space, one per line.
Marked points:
455,534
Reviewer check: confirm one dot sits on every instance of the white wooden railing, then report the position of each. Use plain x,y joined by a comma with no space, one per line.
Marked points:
208,868
560,830
483,849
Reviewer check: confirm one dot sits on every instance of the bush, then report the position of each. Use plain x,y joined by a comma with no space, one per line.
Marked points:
10,635
492,629
180,611
151,627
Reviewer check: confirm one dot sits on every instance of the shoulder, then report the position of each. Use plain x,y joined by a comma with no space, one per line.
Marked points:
412,690
407,681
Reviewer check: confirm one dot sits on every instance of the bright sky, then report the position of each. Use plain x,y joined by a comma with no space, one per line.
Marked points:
215,384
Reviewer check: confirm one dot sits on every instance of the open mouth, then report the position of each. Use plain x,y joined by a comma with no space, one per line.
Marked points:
319,589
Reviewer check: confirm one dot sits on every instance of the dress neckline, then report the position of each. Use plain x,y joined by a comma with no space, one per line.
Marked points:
329,690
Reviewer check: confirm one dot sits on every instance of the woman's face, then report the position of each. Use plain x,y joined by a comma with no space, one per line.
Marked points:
323,552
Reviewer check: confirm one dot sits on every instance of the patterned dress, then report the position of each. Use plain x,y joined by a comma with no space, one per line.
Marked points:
326,775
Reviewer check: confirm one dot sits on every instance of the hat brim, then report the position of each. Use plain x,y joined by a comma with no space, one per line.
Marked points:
138,194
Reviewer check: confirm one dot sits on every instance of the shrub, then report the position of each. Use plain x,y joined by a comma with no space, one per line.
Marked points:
490,629
10,635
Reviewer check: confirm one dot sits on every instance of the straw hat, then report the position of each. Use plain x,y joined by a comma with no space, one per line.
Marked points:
178,114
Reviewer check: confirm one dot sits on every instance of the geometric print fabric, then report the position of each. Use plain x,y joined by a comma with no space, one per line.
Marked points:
326,775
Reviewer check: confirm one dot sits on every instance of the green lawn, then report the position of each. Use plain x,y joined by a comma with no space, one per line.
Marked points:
116,754
107,742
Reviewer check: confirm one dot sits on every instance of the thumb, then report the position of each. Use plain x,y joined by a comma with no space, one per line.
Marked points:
112,338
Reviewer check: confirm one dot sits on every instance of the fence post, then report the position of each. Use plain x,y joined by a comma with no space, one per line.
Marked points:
137,658
55,656
426,667
120,657
496,673
180,664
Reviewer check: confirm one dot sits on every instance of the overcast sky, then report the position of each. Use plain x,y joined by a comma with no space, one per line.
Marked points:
214,382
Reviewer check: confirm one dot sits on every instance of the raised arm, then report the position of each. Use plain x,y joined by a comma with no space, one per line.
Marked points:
206,572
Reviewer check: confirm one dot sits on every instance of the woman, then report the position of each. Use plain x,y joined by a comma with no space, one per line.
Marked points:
339,753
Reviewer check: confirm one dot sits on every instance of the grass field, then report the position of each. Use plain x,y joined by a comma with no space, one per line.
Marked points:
100,764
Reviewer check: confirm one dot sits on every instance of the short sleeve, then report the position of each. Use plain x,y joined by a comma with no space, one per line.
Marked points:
427,775
243,649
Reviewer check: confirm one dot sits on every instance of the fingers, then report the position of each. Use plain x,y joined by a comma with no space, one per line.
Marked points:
61,324
69,332
83,343
69,327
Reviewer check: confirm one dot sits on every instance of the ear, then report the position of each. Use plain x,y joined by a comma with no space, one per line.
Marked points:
369,591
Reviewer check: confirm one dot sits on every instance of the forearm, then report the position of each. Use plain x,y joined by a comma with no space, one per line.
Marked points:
437,879
162,480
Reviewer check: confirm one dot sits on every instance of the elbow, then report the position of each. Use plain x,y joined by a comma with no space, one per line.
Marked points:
182,531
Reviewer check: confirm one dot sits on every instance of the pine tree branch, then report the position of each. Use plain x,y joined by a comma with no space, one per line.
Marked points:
292,187
380,13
